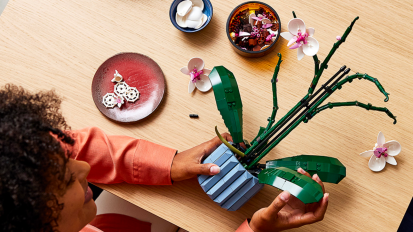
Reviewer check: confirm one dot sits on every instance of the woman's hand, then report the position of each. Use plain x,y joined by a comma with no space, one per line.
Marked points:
287,212
187,164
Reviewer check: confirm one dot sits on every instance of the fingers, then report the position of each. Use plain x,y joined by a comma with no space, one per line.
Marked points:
300,170
214,143
318,214
280,201
317,179
321,211
205,169
226,136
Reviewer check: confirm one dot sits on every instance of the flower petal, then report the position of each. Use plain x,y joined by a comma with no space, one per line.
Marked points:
243,33
367,153
287,35
380,139
292,40
296,24
197,63
204,84
377,164
191,86
207,71
312,46
393,147
297,45
300,53
185,70
310,31
391,160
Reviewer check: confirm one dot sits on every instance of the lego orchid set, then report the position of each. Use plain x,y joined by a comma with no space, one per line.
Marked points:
242,176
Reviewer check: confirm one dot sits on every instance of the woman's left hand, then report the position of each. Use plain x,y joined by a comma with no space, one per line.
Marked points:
187,164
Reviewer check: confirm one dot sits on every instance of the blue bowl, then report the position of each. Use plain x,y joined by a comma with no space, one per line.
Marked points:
207,11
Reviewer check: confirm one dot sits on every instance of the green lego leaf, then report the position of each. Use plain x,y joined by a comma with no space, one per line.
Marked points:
228,100
329,169
299,185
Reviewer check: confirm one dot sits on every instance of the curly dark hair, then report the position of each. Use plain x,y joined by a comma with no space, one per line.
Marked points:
32,161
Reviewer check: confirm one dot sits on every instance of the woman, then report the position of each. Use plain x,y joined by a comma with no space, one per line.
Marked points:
44,176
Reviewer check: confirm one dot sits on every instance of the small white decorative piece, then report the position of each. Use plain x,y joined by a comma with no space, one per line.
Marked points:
132,95
121,88
382,153
198,74
121,91
109,100
198,3
302,37
183,8
117,77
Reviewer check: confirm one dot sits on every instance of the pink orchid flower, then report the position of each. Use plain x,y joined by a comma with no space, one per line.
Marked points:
382,153
119,100
302,37
198,74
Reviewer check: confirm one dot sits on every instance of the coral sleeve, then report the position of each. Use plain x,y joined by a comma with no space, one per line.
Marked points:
116,158
244,227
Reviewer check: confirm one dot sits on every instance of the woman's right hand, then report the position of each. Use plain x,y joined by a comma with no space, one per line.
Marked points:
287,211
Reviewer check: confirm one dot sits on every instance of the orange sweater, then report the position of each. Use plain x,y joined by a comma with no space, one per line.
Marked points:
115,159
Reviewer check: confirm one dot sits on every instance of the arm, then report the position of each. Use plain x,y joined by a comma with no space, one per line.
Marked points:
115,158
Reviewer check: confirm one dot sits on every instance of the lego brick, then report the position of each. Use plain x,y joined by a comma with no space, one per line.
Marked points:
252,187
329,169
246,198
228,100
238,204
226,181
223,158
225,168
233,188
300,186
218,154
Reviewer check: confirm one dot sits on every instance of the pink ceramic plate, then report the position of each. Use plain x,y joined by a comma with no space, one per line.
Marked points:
138,71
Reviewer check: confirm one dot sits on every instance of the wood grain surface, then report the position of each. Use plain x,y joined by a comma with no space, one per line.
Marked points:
53,44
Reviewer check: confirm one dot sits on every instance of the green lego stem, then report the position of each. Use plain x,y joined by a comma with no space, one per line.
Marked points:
232,148
316,65
263,137
366,77
325,62
294,15
315,106
274,93
354,103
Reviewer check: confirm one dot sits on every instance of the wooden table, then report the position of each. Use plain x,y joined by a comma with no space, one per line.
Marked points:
55,44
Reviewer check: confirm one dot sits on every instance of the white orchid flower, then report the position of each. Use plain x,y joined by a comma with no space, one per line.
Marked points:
382,153
302,37
198,74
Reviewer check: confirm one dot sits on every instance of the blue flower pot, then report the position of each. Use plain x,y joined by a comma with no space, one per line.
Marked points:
234,185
